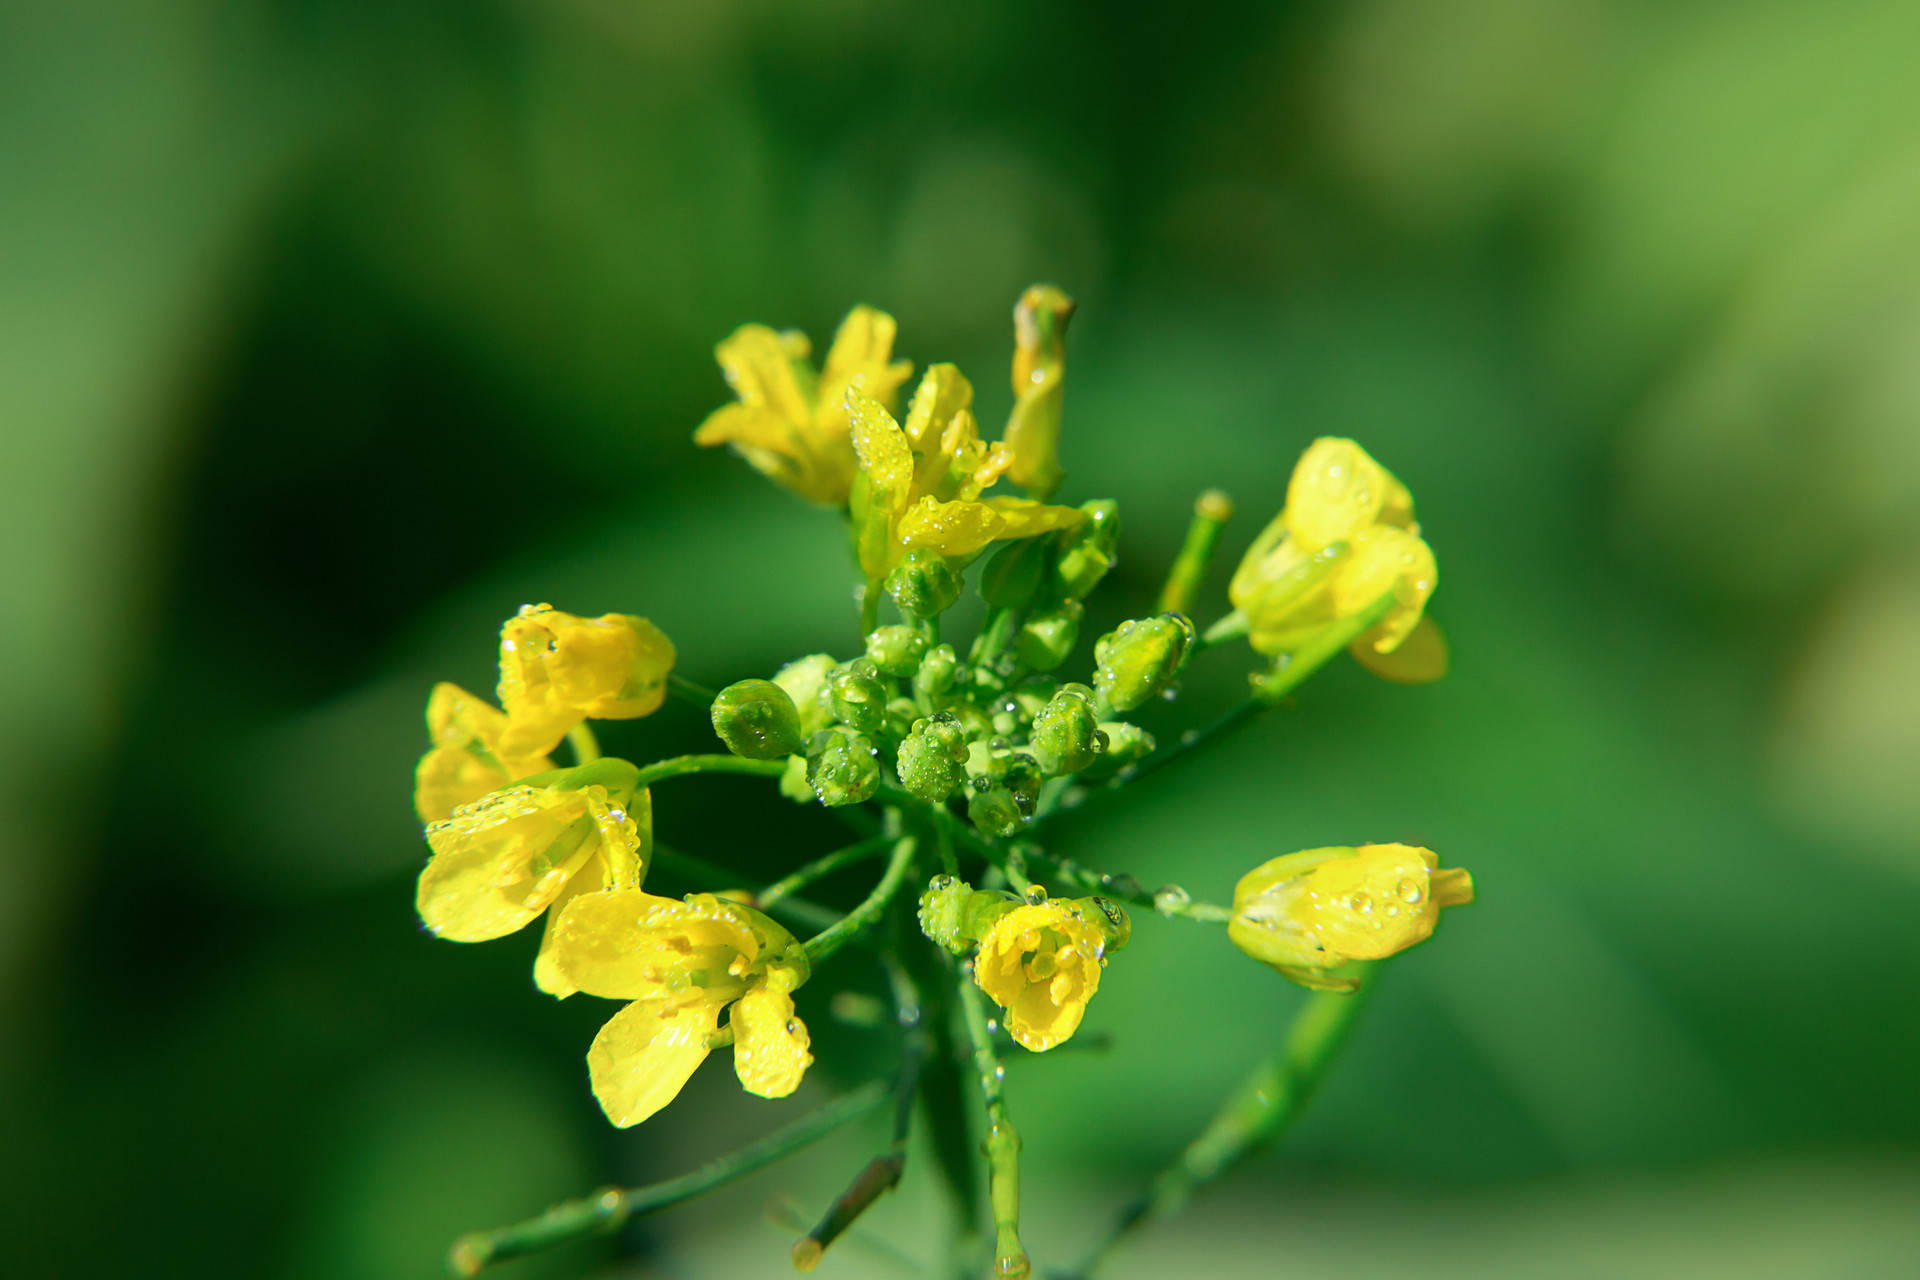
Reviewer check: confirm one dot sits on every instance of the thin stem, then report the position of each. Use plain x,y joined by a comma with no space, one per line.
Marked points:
586,747
608,1209
682,766
824,865
996,633
1003,1141
1188,744
1211,511
1269,1100
1234,626
861,917
681,687
1293,669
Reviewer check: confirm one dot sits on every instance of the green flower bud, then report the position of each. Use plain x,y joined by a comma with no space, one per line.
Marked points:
924,584
994,811
805,680
953,914
1020,774
1141,658
1047,639
1126,744
1107,916
757,719
896,650
856,697
933,758
1013,574
1066,733
938,671
841,767
1091,553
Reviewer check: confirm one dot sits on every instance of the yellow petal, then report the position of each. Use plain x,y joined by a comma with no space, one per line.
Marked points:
1325,907
498,863
950,528
1025,518
861,356
770,1045
943,392
1259,565
618,861
1337,490
621,943
1419,659
645,1055
758,364
882,450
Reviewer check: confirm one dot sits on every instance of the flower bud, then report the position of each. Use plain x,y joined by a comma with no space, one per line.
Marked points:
1141,658
1046,640
1126,744
856,696
1033,432
1090,554
805,680
757,720
1310,912
994,811
938,671
896,650
923,584
557,670
933,759
953,914
841,767
1066,734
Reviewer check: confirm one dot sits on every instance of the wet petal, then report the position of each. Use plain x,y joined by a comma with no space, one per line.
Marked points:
770,1045
1337,490
882,449
646,1053
758,364
499,862
621,943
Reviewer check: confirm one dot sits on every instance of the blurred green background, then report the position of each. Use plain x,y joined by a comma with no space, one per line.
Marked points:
330,334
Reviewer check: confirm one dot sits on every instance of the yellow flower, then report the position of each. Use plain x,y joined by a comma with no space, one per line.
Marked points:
1310,912
557,670
464,762
501,861
681,963
920,484
1345,539
790,423
1041,962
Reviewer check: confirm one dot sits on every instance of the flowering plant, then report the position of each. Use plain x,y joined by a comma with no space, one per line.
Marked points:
947,756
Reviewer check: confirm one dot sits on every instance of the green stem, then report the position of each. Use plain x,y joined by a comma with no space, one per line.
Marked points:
996,633
1234,626
869,608
1003,1141
682,766
1269,1100
586,747
608,1209
699,694
861,917
1187,745
1211,511
825,865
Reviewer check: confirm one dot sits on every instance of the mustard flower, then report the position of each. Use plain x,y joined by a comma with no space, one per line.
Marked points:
791,423
557,670
1041,963
1310,912
681,963
499,862
464,762
920,484
1345,539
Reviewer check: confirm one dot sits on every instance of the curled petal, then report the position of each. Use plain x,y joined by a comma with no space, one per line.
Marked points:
1384,559
950,528
770,1045
557,669
1041,963
759,365
622,943
1421,658
464,763
645,1054
943,393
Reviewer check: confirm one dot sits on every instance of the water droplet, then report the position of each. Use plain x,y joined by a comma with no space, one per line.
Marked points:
1036,894
1362,903
1410,891
1170,897
1393,910
993,1026
999,1074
